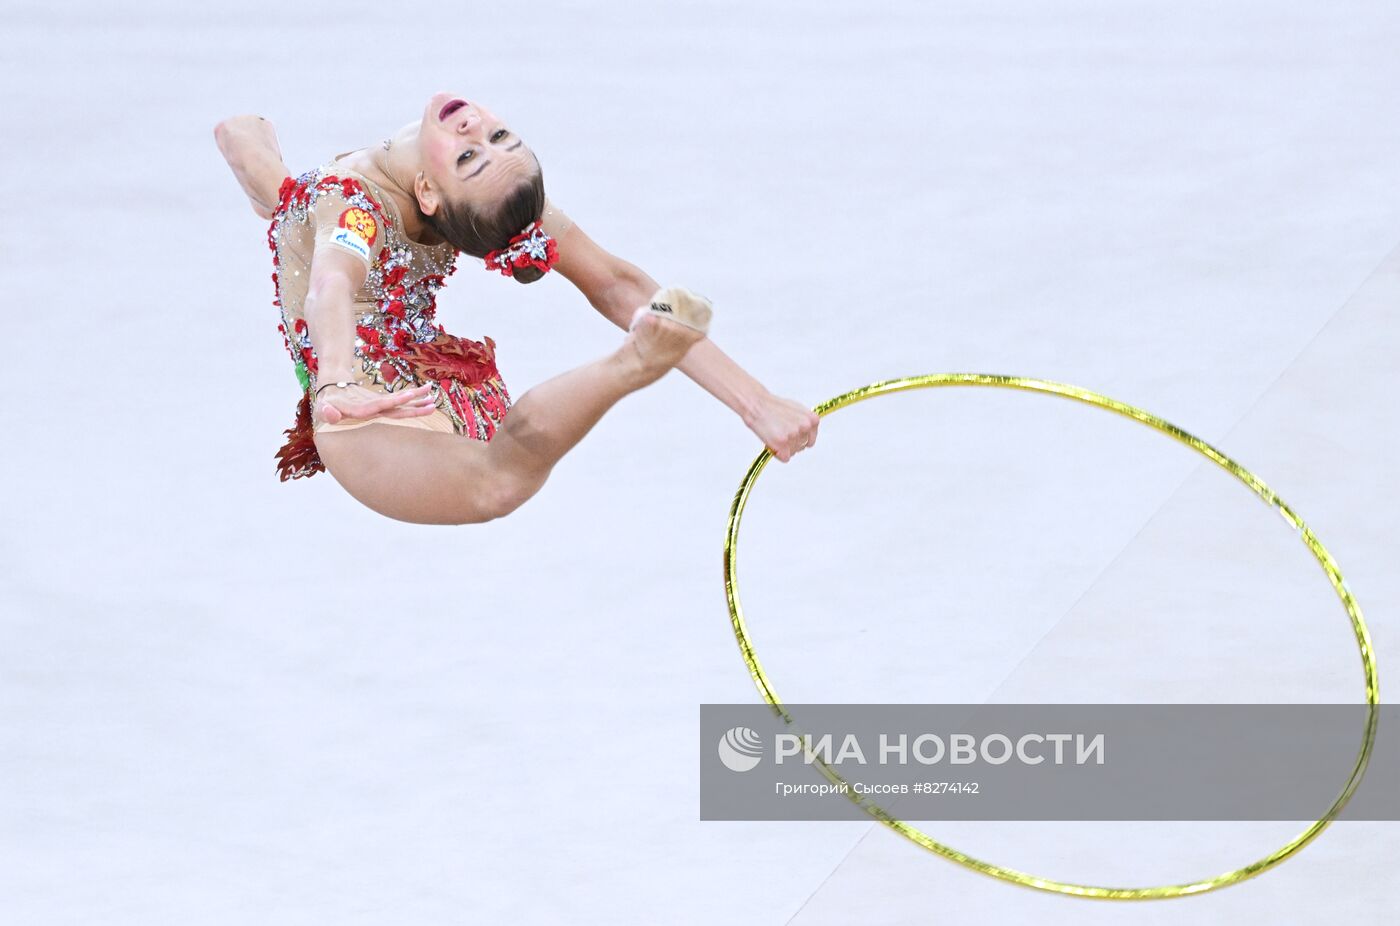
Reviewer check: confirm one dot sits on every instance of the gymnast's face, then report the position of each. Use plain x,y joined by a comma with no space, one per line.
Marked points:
469,155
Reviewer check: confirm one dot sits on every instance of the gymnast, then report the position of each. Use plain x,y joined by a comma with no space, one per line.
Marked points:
416,423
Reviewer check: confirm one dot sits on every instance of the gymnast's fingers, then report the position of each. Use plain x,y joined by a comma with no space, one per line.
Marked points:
404,398
806,436
410,411
416,395
411,403
329,413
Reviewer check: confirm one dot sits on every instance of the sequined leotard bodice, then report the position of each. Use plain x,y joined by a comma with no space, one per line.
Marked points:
398,342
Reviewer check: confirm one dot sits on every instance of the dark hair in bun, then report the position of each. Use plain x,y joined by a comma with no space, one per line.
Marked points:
526,274
479,232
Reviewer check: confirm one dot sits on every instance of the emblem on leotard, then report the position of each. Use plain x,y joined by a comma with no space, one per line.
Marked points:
361,223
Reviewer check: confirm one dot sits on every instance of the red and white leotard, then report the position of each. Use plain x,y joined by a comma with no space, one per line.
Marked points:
398,342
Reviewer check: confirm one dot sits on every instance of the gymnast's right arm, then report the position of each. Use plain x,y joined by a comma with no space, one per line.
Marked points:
249,145
335,276
329,310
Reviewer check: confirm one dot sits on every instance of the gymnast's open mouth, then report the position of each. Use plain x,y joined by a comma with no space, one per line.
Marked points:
451,108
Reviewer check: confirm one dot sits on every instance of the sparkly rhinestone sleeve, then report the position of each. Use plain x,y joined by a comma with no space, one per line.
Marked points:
350,221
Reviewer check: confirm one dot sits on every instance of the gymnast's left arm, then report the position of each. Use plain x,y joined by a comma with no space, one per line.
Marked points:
249,145
615,288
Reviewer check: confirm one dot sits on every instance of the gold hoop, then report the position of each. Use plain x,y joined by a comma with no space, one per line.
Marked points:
1329,566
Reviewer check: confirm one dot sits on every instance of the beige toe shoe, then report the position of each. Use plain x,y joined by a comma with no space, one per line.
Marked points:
679,305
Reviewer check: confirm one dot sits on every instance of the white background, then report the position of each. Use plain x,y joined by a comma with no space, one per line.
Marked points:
224,699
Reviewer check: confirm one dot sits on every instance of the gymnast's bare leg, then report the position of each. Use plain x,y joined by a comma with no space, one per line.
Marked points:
427,477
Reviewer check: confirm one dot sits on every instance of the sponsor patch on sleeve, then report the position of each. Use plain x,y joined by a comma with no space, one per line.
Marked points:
356,232
361,223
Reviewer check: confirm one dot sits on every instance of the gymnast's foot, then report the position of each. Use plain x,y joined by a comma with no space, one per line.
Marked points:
664,330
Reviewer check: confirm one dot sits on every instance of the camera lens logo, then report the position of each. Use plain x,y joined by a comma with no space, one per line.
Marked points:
740,749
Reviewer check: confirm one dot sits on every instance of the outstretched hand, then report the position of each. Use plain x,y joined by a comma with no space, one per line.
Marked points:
358,403
785,426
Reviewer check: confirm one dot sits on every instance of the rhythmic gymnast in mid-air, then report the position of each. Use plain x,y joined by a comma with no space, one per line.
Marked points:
412,421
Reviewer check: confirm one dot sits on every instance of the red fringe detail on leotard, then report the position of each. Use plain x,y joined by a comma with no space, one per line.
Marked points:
447,357
298,457
459,366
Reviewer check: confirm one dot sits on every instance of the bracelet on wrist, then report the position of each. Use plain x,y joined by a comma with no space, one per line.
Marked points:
340,384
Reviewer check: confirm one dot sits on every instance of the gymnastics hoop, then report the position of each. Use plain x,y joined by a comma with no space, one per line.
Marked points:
917,836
